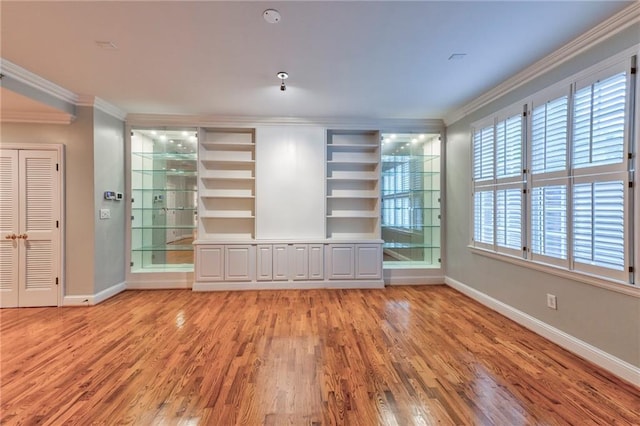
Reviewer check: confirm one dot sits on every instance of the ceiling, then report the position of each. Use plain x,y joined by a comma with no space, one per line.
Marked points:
382,59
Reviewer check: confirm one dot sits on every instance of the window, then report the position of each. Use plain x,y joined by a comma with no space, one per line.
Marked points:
571,181
498,182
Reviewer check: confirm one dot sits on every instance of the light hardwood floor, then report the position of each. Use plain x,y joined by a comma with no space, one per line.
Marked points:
398,356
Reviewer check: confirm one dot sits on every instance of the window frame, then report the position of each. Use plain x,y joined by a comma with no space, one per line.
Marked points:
571,176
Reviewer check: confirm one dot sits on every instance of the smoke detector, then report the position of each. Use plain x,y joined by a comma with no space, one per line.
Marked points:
272,16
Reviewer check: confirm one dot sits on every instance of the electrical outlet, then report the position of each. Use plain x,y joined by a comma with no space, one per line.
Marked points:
552,303
105,214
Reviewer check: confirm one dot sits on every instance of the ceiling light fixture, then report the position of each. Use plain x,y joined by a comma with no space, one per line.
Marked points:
283,76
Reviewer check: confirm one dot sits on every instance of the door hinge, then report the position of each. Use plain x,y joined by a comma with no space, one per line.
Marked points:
132,217
130,263
132,133
524,191
57,281
631,269
57,167
524,248
630,184
57,224
439,260
633,70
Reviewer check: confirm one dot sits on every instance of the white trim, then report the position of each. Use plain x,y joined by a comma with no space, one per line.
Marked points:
102,105
287,285
618,22
35,81
614,365
342,123
36,117
393,281
90,300
168,284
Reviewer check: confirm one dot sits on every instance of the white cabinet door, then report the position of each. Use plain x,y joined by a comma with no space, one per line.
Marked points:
29,228
299,261
341,261
210,263
316,261
280,262
368,261
265,263
238,262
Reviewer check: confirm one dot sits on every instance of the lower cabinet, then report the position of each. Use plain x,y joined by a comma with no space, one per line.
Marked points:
335,264
239,261
354,261
210,263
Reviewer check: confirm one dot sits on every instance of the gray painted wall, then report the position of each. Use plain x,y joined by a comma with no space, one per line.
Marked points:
79,205
603,318
109,175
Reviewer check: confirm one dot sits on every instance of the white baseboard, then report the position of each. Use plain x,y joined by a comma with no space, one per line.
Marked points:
414,280
158,285
615,365
94,299
285,285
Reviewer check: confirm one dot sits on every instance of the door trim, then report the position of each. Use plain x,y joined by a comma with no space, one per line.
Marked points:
60,150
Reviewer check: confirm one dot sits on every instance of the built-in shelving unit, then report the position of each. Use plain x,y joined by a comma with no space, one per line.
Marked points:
226,184
163,199
411,206
352,192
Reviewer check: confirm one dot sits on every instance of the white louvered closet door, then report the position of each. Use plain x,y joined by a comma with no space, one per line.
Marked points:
29,231
9,226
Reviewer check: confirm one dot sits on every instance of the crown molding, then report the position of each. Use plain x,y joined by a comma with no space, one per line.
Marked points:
36,117
615,24
343,123
102,105
35,81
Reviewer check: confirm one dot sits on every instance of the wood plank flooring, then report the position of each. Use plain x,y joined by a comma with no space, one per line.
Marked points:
397,356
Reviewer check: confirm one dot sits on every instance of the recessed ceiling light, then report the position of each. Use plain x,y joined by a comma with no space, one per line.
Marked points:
108,45
457,56
272,16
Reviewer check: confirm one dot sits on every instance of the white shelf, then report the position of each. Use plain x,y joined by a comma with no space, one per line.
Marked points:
353,179
230,196
227,215
237,178
353,147
352,192
353,215
214,163
226,184
352,197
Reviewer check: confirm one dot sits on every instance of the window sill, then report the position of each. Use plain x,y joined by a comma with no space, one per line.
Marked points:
619,287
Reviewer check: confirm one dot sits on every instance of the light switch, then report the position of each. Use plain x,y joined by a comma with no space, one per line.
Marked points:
105,214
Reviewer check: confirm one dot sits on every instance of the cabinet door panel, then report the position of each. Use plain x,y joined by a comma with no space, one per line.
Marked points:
299,261
316,261
368,261
280,262
210,263
238,263
341,263
265,263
